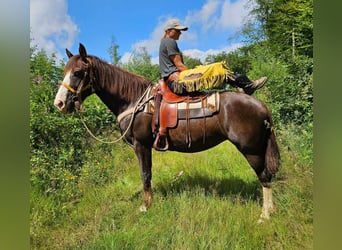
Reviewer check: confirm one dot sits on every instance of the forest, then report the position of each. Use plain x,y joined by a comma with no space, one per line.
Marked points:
85,194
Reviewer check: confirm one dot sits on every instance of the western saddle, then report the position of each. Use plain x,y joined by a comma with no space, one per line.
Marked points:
170,107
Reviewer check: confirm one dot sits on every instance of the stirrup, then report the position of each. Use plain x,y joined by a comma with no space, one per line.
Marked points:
158,145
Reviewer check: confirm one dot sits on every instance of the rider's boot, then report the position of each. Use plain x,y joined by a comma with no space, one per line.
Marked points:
247,86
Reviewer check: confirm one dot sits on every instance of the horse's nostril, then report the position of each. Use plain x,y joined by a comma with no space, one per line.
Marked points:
59,104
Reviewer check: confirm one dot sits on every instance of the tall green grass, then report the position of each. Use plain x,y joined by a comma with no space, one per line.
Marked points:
206,200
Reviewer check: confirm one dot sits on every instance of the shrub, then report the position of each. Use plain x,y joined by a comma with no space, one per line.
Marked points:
58,142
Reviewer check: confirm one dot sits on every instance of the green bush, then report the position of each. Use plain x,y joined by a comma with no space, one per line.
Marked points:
58,142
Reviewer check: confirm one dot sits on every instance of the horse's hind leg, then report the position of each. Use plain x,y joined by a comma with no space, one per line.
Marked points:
267,205
257,163
265,178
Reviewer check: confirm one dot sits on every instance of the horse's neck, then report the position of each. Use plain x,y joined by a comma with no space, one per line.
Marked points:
112,95
116,106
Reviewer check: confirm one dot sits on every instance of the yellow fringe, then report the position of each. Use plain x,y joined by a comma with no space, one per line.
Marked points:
203,78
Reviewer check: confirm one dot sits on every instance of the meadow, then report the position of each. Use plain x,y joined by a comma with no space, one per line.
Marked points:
206,200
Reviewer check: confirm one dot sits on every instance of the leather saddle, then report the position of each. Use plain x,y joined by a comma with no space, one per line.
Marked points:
170,107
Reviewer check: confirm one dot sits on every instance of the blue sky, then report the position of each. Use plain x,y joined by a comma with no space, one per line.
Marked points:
59,24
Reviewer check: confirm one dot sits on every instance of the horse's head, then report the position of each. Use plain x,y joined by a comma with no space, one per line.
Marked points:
77,82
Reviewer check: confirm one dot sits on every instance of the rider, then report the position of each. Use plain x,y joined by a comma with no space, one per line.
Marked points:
171,60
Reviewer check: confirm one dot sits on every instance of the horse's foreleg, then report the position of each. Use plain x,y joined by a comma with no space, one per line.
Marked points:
267,206
144,155
147,200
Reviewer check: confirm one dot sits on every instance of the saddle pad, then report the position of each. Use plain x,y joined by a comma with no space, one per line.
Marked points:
205,107
203,78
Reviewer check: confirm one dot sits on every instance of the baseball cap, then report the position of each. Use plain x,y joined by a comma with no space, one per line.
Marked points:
174,24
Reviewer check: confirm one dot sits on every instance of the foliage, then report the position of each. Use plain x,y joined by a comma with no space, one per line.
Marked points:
140,63
113,52
48,129
43,67
289,90
191,62
57,141
55,158
287,25
238,60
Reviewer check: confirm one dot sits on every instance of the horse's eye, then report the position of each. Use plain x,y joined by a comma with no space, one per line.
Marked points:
78,73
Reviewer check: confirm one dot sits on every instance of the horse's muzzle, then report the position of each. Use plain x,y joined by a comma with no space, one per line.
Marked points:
60,105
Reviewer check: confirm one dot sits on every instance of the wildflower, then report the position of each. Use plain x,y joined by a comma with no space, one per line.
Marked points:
38,79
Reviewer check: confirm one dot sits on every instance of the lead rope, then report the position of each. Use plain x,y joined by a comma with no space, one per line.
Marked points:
100,140
134,110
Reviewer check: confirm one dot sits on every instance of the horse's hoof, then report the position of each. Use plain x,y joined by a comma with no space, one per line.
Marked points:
263,219
143,209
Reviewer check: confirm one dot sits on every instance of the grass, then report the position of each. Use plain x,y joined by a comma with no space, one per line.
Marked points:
214,204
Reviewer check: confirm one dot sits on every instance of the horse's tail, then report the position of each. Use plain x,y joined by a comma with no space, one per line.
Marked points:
272,157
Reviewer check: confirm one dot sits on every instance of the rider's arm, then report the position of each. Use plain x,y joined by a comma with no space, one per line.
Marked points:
177,60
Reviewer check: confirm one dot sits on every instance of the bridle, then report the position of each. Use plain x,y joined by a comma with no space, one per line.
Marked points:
83,86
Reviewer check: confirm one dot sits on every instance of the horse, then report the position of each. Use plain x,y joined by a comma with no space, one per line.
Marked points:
242,119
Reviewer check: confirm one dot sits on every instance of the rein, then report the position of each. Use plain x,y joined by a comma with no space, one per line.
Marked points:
98,139
119,118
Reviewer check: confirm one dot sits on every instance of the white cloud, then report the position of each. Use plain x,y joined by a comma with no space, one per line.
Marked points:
219,15
51,26
126,57
233,14
206,16
152,43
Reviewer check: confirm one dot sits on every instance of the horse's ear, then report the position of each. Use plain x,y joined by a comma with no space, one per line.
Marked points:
83,52
69,54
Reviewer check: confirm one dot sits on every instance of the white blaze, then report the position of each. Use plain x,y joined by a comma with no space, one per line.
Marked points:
61,95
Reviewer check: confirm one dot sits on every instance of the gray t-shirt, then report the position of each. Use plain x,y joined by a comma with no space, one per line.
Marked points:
168,47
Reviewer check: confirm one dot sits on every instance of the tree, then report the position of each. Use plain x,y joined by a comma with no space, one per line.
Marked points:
239,60
113,52
281,35
140,63
191,62
287,25
44,67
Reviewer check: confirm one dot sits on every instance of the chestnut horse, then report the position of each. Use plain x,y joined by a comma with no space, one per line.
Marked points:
242,119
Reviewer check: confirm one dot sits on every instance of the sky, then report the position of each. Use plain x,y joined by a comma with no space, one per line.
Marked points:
59,24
